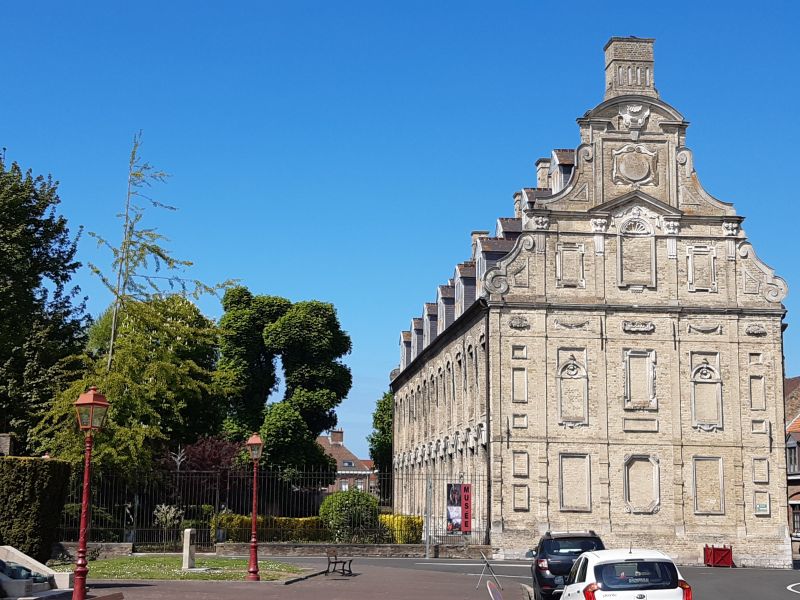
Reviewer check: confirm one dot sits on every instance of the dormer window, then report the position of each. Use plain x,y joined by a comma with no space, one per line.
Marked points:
348,463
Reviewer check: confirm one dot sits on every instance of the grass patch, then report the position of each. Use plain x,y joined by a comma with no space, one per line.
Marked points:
169,568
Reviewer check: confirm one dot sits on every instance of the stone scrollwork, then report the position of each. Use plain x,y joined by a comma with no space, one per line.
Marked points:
634,118
638,326
496,281
730,228
635,164
599,228
756,330
540,222
771,287
518,322
706,329
570,324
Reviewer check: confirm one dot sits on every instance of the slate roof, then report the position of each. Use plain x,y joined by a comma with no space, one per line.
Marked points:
495,245
466,269
564,156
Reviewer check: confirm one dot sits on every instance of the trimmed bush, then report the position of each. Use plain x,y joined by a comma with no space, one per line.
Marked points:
271,529
351,516
32,496
403,529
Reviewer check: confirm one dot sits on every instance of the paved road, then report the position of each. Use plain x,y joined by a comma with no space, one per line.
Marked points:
708,583
418,579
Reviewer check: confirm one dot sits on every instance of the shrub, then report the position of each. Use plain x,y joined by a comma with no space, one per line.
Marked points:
33,492
351,516
402,529
271,529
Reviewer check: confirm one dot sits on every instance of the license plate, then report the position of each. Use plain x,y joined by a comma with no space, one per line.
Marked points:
559,581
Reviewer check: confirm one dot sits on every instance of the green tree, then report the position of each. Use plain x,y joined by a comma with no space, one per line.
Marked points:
308,339
246,369
380,440
160,387
42,321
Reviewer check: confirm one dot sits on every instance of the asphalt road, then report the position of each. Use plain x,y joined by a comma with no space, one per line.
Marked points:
707,583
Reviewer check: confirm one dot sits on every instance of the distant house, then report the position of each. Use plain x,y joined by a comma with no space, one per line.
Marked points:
351,471
791,391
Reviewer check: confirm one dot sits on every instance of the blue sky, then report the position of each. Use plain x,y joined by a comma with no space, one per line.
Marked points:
343,151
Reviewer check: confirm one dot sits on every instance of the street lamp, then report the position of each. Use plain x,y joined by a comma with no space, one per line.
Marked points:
91,408
254,446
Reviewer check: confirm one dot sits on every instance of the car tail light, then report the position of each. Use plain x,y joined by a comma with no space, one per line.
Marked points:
541,564
687,589
589,590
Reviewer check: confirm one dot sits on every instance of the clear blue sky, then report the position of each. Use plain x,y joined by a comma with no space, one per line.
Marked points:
343,151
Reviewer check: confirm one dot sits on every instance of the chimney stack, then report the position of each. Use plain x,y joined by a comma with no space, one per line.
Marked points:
337,437
629,67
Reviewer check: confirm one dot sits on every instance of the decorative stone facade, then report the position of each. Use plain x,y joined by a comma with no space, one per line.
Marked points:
614,359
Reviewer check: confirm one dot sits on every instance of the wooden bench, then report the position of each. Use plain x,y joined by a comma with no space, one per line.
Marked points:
337,564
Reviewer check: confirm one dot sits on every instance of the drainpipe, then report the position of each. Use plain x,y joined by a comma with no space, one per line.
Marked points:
488,435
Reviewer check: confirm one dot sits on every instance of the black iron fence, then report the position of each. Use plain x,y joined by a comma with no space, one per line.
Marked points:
218,505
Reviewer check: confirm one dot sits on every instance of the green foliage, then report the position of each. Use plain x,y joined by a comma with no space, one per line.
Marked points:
246,369
41,321
33,491
288,441
380,440
308,339
352,516
160,389
402,529
143,269
271,529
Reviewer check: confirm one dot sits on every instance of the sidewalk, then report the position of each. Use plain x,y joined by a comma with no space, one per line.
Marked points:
367,583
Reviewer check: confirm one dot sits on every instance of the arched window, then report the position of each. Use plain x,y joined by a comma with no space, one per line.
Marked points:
706,393
636,255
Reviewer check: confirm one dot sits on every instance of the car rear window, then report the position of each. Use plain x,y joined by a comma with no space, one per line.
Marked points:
637,575
571,546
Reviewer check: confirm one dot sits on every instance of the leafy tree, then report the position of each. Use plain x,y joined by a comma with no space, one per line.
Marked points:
246,370
288,443
42,320
352,516
307,337
143,268
160,388
380,440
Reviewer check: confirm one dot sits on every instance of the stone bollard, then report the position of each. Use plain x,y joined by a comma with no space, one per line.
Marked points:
188,548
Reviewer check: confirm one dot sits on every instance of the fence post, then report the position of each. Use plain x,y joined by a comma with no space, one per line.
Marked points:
428,494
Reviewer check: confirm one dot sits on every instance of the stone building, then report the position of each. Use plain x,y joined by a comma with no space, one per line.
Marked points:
612,357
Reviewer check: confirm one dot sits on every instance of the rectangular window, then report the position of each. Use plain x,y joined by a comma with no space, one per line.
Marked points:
345,486
796,519
347,463
758,400
791,460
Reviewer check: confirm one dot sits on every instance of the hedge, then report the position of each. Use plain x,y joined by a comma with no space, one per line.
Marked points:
271,529
32,496
403,529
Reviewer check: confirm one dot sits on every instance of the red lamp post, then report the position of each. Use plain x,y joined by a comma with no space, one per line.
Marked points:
91,408
254,446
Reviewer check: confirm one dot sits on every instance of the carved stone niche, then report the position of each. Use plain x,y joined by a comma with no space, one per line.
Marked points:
570,265
573,388
642,484
706,392
636,254
639,373
634,164
701,268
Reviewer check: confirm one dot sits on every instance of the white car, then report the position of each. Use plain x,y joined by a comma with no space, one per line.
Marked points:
633,574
